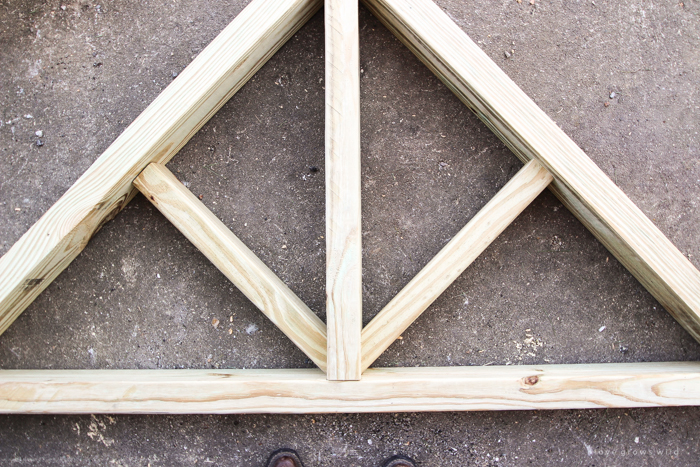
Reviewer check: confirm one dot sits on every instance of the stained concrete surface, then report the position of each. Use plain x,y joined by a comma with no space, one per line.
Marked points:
141,296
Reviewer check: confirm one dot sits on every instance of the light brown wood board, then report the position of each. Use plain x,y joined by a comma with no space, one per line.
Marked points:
156,135
578,182
517,387
235,260
343,188
452,260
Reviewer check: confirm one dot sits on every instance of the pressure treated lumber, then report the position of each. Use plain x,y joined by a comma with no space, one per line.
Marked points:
531,134
155,136
343,186
452,260
381,390
235,260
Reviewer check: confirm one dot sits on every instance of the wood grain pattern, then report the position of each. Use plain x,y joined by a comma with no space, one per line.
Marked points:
235,261
452,260
381,390
531,134
343,186
155,136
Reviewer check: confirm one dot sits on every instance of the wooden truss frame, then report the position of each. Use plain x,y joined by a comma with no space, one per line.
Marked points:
342,349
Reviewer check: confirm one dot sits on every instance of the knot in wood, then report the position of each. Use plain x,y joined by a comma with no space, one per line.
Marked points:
531,380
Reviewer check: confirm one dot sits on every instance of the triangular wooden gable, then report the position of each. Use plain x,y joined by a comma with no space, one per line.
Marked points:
135,161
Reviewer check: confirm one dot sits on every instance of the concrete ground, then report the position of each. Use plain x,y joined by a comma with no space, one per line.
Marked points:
141,296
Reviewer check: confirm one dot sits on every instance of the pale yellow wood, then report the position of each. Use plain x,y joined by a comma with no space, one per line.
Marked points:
235,261
155,136
343,216
531,134
192,98
517,387
452,260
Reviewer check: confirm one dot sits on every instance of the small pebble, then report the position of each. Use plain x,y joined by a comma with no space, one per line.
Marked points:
158,276
623,349
602,328
174,75
39,133
507,54
39,143
612,95
29,116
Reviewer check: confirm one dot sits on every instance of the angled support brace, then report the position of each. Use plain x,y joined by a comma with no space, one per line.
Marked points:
235,260
581,186
220,70
452,260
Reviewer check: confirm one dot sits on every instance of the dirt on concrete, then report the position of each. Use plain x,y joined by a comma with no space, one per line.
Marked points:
621,78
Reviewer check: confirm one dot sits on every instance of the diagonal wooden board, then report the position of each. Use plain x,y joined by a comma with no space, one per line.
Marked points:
220,70
240,265
167,124
583,188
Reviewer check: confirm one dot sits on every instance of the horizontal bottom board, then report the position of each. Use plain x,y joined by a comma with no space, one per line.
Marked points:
520,387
